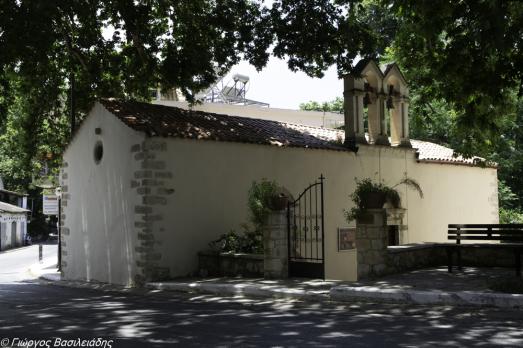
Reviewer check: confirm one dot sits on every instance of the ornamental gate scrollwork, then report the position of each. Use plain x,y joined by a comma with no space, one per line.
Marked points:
305,230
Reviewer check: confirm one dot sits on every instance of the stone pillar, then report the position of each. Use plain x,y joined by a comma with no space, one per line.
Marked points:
353,110
371,243
383,137
275,264
405,140
64,229
152,183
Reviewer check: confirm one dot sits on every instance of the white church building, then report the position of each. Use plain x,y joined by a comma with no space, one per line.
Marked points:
146,187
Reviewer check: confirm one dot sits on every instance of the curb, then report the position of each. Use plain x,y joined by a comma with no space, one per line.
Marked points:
462,298
241,290
15,249
336,294
36,268
351,294
52,277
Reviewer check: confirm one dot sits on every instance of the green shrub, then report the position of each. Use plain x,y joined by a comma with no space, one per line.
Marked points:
510,216
232,242
389,193
260,198
259,201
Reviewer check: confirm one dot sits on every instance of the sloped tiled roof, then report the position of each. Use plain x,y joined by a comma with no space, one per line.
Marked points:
13,193
10,208
431,152
160,120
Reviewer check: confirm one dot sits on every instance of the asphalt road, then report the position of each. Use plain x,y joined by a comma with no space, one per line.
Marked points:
33,310
15,263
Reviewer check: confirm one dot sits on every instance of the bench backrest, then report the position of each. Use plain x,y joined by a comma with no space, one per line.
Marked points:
512,233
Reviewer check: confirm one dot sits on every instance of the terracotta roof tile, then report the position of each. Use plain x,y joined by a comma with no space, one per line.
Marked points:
431,152
160,120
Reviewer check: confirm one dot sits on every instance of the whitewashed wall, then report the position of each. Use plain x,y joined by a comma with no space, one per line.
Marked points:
6,230
189,192
98,212
211,179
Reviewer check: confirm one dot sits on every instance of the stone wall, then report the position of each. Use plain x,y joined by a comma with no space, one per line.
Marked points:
150,182
376,259
488,257
408,257
371,244
230,264
275,246
403,258
64,231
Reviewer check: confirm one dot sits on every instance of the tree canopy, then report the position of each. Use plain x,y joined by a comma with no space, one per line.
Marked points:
462,55
335,105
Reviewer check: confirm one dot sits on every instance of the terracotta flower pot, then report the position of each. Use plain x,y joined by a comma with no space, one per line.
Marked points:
373,200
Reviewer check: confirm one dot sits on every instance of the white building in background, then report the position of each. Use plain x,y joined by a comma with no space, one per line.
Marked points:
13,218
309,118
230,98
146,187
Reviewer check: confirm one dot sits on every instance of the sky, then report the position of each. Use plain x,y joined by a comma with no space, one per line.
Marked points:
282,88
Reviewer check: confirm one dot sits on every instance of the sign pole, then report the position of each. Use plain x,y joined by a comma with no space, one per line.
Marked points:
59,233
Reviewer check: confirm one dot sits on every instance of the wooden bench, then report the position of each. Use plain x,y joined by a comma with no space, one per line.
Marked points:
510,237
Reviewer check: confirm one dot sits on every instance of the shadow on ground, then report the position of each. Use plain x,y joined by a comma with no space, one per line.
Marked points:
156,319
438,278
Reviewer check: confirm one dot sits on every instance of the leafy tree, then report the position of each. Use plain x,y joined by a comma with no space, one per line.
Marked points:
184,44
335,105
463,58
467,53
112,49
315,34
509,155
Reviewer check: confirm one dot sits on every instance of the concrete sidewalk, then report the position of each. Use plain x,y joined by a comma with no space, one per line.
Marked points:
427,286
47,269
298,289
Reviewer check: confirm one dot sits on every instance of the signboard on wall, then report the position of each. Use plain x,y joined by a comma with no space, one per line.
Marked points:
9,218
50,205
346,239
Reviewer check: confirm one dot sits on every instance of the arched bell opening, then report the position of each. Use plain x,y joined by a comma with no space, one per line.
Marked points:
397,106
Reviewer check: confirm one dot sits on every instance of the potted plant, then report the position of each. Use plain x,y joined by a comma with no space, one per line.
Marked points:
371,195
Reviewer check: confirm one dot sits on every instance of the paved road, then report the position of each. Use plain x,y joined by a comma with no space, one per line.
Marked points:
14,263
32,310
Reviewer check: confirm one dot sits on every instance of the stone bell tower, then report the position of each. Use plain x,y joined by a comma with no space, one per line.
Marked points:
381,92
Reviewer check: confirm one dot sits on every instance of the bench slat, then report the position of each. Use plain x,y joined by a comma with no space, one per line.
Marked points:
498,233
517,226
468,237
512,233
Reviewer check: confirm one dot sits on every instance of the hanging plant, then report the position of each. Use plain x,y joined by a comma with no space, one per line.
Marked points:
371,195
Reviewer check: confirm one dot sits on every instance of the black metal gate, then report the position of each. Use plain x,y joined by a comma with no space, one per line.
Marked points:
305,231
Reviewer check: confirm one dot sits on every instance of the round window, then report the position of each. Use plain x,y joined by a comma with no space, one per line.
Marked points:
98,152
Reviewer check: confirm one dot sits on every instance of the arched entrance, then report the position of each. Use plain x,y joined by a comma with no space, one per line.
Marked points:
305,233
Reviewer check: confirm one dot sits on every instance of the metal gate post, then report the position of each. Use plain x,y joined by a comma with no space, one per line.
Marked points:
322,225
303,263
288,238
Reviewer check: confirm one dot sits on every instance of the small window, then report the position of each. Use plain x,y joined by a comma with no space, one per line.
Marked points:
98,152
